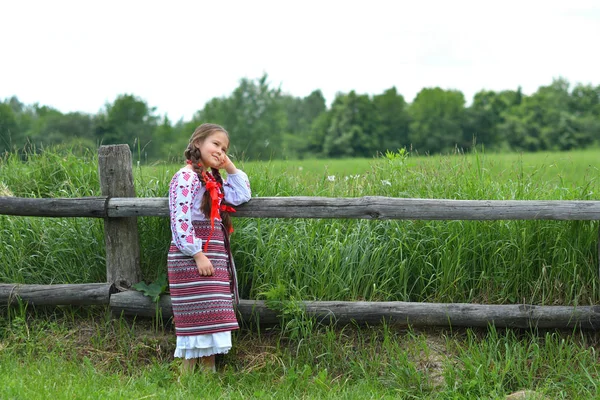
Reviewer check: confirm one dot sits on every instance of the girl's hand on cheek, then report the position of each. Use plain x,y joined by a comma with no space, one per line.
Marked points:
226,162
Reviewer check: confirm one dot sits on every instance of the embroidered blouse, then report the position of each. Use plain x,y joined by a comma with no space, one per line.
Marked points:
185,195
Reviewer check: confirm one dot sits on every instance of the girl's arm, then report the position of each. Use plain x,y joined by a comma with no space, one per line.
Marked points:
237,186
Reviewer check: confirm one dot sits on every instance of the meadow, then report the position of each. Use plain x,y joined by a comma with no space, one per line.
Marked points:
537,262
496,262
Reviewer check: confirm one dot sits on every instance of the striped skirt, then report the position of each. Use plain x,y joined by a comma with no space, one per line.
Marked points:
203,304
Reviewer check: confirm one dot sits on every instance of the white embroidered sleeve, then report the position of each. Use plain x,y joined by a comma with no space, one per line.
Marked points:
183,191
237,188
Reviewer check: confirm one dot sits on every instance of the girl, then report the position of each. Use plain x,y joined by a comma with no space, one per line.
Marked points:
202,277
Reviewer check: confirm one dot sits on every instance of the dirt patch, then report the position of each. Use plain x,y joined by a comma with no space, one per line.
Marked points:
435,359
525,395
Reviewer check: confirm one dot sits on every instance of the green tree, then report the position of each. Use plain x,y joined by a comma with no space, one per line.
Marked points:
253,115
129,120
546,121
585,106
352,130
314,143
52,128
486,114
165,142
313,106
25,117
585,100
9,129
393,120
301,114
436,120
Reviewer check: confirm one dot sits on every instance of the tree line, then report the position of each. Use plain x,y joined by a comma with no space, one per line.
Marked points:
267,123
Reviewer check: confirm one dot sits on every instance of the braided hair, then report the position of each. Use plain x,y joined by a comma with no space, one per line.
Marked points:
192,154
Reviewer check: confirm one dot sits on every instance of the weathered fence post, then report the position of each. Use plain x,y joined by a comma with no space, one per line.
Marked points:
120,234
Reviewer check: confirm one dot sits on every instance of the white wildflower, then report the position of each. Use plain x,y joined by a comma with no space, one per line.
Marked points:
345,178
355,176
331,178
386,182
300,168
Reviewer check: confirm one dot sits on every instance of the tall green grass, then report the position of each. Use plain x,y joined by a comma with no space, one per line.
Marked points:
539,262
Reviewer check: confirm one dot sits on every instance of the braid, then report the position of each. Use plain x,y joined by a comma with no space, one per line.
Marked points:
192,153
225,217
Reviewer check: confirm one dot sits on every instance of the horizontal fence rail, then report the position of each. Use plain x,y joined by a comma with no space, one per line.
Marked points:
119,208
57,295
133,303
397,312
94,207
368,207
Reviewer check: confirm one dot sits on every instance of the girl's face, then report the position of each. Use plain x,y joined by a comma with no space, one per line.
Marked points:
213,149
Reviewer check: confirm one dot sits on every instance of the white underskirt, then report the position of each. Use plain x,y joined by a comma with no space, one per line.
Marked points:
203,345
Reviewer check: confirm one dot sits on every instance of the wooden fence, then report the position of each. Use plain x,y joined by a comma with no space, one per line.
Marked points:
119,208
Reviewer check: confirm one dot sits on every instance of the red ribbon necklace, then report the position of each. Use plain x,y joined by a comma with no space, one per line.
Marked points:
215,192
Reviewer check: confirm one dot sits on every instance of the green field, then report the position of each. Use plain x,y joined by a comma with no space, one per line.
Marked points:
538,262
69,353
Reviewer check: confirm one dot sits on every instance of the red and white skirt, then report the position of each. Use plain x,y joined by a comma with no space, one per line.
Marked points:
203,310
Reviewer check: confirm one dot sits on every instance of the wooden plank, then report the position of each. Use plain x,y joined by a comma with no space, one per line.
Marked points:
372,207
120,234
319,207
56,295
397,312
94,207
138,207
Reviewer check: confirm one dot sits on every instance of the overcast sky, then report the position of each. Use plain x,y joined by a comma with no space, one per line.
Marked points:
177,55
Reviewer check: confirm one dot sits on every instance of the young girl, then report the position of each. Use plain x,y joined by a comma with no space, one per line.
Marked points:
202,277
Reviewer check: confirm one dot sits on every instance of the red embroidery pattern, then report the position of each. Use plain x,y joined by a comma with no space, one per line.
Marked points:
202,304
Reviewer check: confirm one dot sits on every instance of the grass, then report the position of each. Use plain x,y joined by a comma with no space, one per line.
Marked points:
86,353
539,262
72,352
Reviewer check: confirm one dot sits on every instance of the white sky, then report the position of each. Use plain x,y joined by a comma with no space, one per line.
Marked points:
177,55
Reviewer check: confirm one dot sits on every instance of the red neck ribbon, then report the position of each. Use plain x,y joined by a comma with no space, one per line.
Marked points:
215,191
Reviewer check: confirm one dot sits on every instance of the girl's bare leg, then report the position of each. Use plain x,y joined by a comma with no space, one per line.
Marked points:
208,363
188,365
